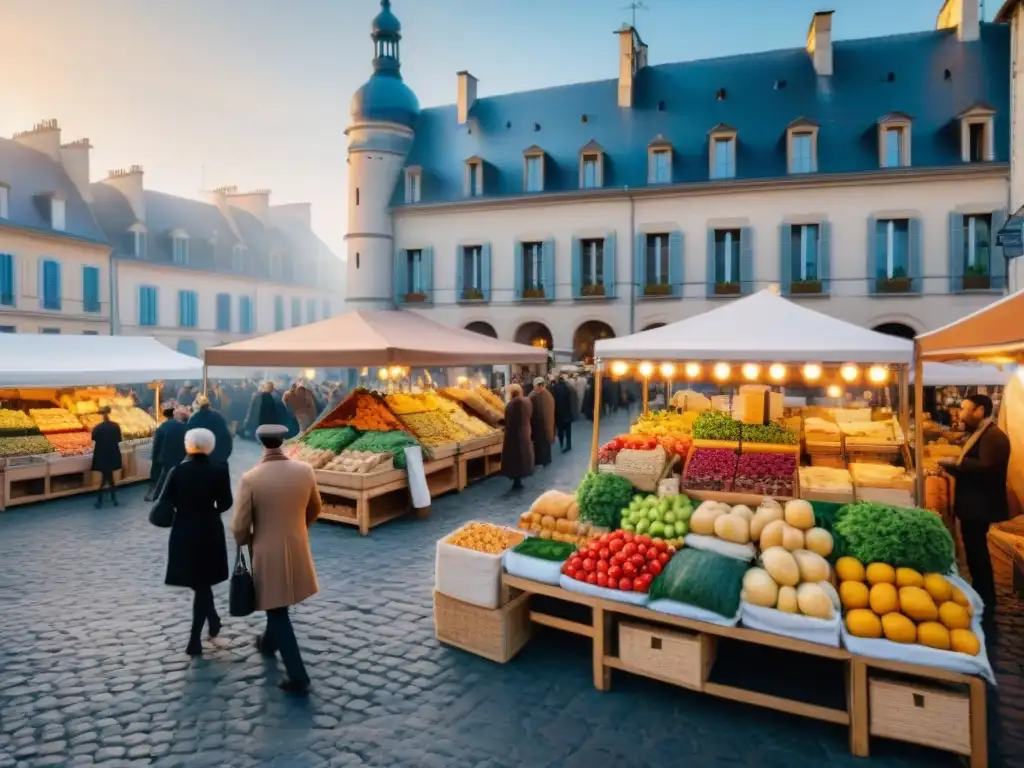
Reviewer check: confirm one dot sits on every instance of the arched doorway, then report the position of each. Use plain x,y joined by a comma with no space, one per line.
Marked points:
585,336
484,329
900,330
652,326
535,334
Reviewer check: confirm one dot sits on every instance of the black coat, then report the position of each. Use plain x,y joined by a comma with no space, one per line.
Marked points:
106,451
169,443
563,402
208,418
587,408
980,494
262,410
199,491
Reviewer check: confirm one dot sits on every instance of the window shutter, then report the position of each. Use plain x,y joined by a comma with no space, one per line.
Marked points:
517,265
460,279
956,252
825,256
467,179
676,277
577,268
651,175
872,255
401,276
639,264
90,289
181,308
548,256
997,261
58,292
915,246
610,278
485,271
600,169
154,306
428,273
786,257
710,276
747,281
7,279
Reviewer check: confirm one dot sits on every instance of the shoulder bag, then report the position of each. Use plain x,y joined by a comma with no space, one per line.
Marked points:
162,513
242,590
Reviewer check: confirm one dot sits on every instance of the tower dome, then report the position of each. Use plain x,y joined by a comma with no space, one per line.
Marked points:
385,97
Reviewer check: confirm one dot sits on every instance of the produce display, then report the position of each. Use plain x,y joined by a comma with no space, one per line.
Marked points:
465,421
484,537
827,479
620,560
393,442
602,497
702,579
135,423
483,406
716,425
315,457
689,400
489,397
333,439
24,446
360,462
661,518
767,474
16,423
433,428
673,445
711,469
52,421
545,549
905,606
402,404
774,434
867,432
71,443
871,475
909,538
555,516
363,411
664,423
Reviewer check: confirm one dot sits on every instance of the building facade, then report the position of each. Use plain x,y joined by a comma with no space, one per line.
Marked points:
867,178
113,257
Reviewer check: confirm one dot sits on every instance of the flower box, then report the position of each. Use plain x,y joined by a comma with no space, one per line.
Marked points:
805,286
534,293
657,289
590,291
893,285
727,289
472,294
977,282
415,298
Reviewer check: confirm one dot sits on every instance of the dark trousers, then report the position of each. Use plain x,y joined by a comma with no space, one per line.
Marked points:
106,481
565,435
975,536
280,637
203,611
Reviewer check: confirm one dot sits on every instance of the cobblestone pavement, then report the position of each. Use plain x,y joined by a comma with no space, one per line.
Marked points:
92,668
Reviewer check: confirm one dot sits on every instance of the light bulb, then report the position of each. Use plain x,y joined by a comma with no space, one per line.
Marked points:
619,368
751,371
834,391
646,369
722,371
812,371
668,370
382,374
849,372
692,370
777,372
878,374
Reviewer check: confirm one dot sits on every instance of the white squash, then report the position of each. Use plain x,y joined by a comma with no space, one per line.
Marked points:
771,534
734,528
787,600
703,519
743,511
819,541
800,514
759,588
792,538
813,601
813,567
781,566
762,517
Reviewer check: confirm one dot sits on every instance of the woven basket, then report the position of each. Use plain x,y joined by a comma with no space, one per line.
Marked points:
677,657
496,634
641,462
920,713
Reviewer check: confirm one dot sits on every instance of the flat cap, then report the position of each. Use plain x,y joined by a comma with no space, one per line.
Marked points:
274,431
540,381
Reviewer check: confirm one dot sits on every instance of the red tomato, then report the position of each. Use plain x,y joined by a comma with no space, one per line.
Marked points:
629,550
591,578
617,534
663,558
615,572
616,544
602,580
576,562
613,584
571,573
643,538
617,559
604,539
628,536
638,584
641,548
637,560
654,567
580,576
604,553
589,565
670,549
660,544
652,554
628,569
626,584
647,579
602,566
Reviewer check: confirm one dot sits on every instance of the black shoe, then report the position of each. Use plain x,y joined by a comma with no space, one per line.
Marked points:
263,647
215,626
290,686
194,648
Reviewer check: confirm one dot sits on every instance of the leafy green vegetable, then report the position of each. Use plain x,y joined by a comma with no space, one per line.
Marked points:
910,538
394,442
716,425
704,579
334,439
545,549
768,433
601,498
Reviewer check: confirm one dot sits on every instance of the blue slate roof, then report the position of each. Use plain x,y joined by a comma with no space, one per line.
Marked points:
763,94
32,176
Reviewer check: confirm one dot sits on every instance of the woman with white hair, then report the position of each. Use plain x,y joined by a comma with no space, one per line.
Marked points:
199,491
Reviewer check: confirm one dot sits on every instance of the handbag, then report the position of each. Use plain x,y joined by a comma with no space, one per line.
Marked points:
162,513
242,590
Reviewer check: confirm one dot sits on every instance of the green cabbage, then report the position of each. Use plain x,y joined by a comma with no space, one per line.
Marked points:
601,498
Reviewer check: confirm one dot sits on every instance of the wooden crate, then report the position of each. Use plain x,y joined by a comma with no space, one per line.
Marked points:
928,714
683,658
357,481
497,634
442,476
472,466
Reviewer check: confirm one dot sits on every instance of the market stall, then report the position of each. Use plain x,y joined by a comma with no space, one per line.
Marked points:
359,448
51,390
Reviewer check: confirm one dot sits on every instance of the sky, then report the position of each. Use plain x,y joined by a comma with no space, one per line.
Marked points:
256,93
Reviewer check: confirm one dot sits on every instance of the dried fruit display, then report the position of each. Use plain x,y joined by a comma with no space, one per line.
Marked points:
361,462
24,446
433,428
402,404
135,423
16,423
471,424
481,406
52,421
315,457
485,537
71,443
363,411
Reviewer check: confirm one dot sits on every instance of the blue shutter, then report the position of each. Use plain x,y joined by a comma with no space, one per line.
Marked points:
91,289
279,313
915,258
786,257
577,268
7,279
711,277
825,256
639,264
142,305
747,276
460,278
956,252
997,261
517,265
181,309
245,309
50,285
55,282
485,270
872,255
548,267
401,276
154,305
223,312
611,280
676,271
427,270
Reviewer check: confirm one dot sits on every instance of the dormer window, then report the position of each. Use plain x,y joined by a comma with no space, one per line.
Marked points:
592,166
802,146
474,179
533,169
722,152
977,143
413,184
894,140
138,235
179,247
4,202
58,213
659,161
237,257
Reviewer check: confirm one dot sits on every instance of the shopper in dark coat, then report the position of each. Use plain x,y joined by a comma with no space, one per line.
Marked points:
980,496
199,492
589,400
208,418
517,446
542,422
563,412
263,409
170,442
156,466
106,455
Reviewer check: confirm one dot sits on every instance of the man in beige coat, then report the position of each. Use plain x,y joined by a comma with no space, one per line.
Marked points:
277,501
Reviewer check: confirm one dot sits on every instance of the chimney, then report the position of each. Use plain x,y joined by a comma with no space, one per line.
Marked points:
255,202
300,212
219,197
76,164
467,95
129,183
819,42
632,58
44,137
961,15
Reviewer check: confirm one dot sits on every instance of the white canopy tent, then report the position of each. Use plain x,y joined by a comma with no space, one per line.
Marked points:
761,327
45,360
965,375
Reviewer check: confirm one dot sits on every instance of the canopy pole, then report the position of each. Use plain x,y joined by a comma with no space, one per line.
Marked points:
643,395
157,410
919,422
904,383
597,416
206,370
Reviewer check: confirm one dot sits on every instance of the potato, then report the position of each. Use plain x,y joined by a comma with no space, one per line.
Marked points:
819,541
759,588
762,517
813,567
800,514
771,534
781,566
732,528
792,538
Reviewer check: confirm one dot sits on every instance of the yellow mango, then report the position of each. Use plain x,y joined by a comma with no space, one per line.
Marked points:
899,628
960,598
908,577
861,622
934,635
918,604
849,569
884,599
938,587
954,616
880,573
854,594
964,641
